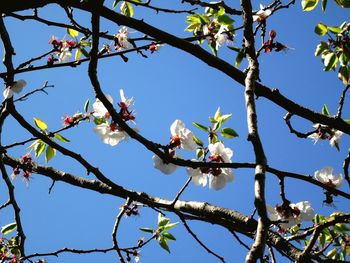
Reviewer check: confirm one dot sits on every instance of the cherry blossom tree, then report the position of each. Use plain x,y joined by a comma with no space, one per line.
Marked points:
107,145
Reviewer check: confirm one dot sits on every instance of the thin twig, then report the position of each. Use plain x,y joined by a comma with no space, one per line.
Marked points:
28,62
160,9
287,118
115,230
42,89
197,239
5,205
346,168
239,240
181,191
341,102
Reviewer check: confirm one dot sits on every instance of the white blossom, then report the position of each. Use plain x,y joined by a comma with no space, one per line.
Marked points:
65,55
315,137
327,177
99,110
182,135
198,177
262,14
128,102
218,149
334,141
123,39
166,168
16,87
296,214
110,134
219,181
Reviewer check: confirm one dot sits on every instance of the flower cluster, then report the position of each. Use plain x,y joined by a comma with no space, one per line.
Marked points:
327,177
74,119
218,177
110,132
16,87
293,214
217,35
131,210
323,132
121,39
181,137
26,167
63,50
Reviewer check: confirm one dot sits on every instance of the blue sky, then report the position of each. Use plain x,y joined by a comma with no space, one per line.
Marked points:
169,85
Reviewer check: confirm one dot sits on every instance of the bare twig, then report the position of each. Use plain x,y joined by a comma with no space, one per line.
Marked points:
189,230
181,191
341,102
5,205
239,240
287,118
28,62
160,9
346,168
42,89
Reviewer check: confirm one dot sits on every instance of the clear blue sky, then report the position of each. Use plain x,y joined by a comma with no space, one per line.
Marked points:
169,85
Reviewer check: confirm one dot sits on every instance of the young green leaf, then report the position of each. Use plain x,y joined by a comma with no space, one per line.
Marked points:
50,153
8,228
330,61
163,243
72,32
225,117
146,229
225,20
162,221
200,126
229,133
217,125
321,29
344,74
325,110
115,3
234,48
40,124
324,5
239,59
39,148
334,29
217,114
86,105
309,5
169,226
168,236
197,141
61,138
77,54
199,153
127,9
321,48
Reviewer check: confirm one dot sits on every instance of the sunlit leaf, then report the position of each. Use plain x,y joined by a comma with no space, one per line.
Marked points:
321,48
39,148
200,126
162,221
72,32
239,59
330,61
40,124
146,229
61,138
229,133
321,29
86,105
169,226
334,29
163,243
197,141
127,9
325,110
324,5
168,236
77,54
309,5
115,3
50,153
343,3
8,228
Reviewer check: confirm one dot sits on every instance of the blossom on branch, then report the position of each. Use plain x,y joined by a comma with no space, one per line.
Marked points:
166,168
16,87
292,213
323,132
262,14
327,177
181,137
111,134
121,39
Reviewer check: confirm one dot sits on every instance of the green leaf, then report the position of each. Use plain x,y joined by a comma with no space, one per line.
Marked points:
199,153
39,148
334,29
200,126
343,3
168,236
146,229
50,153
225,20
169,226
229,133
77,54
324,5
321,29
72,32
217,125
197,141
8,228
344,74
225,117
325,110
163,243
234,48
162,221
61,138
99,121
347,121
330,61
322,239
40,124
321,48
239,59
127,9
331,254
115,3
86,105
85,53
217,114
309,5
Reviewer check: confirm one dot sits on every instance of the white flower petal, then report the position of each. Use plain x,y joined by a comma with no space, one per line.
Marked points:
163,167
198,178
